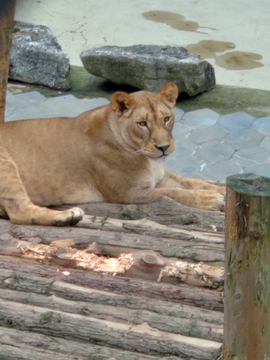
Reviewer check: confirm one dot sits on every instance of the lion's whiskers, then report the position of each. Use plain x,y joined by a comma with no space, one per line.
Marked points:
140,151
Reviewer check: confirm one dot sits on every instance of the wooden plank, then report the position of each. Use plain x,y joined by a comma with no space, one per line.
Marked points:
7,9
165,211
149,227
51,287
24,345
189,295
197,247
84,328
122,314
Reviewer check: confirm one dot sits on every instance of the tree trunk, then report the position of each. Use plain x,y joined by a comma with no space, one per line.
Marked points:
7,8
247,277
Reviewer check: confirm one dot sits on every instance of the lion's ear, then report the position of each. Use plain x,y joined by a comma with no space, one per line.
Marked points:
170,93
122,102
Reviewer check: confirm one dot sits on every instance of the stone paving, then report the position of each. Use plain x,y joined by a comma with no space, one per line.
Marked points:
209,145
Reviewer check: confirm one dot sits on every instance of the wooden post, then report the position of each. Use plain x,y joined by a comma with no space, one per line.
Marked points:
7,8
247,275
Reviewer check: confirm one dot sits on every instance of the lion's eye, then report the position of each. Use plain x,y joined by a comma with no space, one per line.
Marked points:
142,123
166,119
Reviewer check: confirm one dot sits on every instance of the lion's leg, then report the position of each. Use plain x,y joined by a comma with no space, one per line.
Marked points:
15,202
202,199
173,180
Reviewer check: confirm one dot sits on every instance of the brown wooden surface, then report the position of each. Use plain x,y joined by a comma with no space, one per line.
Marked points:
166,306
7,8
165,211
247,285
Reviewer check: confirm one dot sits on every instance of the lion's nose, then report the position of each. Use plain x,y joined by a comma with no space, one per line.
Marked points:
162,148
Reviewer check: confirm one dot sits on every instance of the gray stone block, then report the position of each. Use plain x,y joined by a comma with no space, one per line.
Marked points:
25,100
242,162
220,170
259,169
180,131
262,125
178,114
241,139
183,148
8,111
150,67
200,118
256,153
236,121
86,104
214,151
185,166
32,112
37,58
206,134
65,105
266,142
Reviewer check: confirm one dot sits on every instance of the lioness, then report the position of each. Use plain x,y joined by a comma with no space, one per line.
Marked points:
113,153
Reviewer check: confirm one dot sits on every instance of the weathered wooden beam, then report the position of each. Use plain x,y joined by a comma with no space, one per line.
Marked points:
188,295
169,242
141,338
24,345
171,324
247,277
22,282
7,8
165,211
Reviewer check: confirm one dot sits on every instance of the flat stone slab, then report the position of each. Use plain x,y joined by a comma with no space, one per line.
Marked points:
262,125
242,139
207,134
200,118
236,121
31,105
150,67
37,58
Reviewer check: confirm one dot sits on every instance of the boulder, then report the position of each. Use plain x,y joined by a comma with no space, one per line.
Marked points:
150,67
37,58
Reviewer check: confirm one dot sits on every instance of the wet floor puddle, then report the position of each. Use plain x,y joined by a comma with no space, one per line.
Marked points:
230,60
208,49
176,21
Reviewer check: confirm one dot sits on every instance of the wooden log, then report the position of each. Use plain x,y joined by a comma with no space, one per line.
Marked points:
147,264
247,284
173,324
165,211
142,338
189,295
24,345
10,280
7,8
149,227
194,246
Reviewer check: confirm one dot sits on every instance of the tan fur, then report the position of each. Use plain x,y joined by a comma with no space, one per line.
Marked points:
113,153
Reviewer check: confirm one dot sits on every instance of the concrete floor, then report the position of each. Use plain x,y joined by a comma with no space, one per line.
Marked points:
235,33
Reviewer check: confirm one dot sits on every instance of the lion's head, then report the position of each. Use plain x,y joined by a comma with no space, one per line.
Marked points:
143,121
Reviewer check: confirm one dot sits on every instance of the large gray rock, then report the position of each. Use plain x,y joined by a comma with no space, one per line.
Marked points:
37,58
150,67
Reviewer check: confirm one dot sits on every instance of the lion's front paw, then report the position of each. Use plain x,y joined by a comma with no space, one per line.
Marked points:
69,217
209,200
